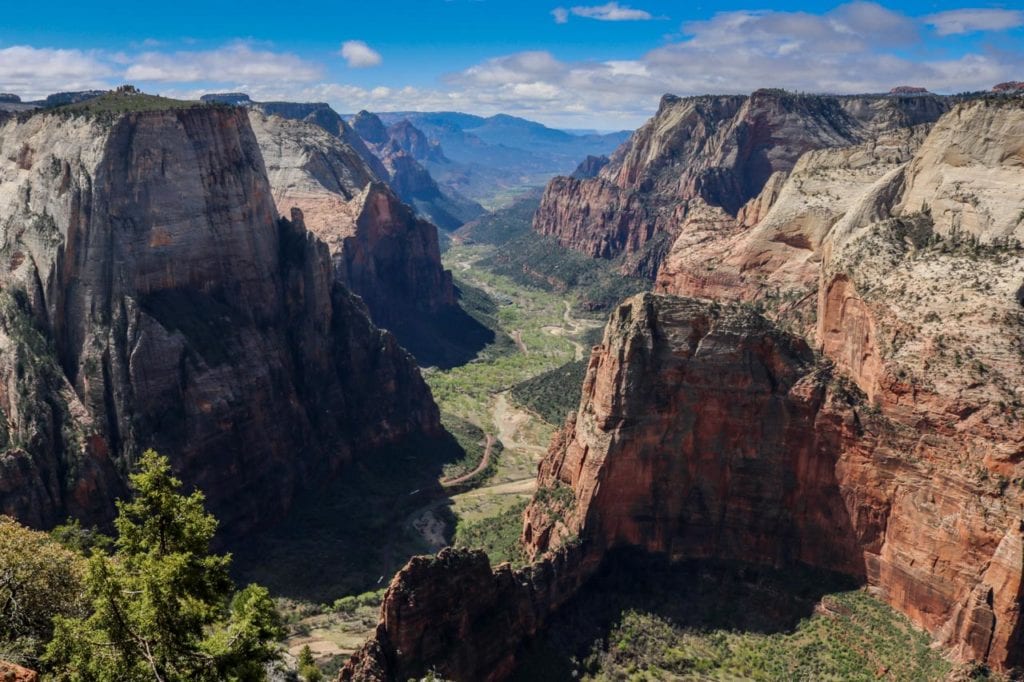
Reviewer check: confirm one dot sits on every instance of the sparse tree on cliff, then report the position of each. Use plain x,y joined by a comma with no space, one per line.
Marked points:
162,606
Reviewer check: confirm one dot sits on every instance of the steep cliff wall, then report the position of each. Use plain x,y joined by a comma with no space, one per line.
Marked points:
453,615
153,298
703,432
894,454
381,250
708,151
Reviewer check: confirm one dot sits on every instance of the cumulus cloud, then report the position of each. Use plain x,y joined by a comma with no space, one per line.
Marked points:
35,72
359,55
855,47
958,21
611,11
236,62
560,14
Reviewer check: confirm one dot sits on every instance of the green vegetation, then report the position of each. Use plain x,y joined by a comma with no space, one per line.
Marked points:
39,579
126,100
727,621
646,619
163,607
536,261
555,393
855,639
501,226
308,669
496,535
472,440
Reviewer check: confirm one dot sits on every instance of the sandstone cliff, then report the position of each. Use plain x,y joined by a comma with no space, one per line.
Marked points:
153,298
712,151
380,249
703,432
401,148
883,439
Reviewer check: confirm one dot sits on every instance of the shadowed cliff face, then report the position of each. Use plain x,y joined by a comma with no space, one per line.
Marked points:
171,308
707,151
381,250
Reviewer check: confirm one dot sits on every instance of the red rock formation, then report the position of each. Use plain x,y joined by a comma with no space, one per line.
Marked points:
1009,86
159,301
381,250
716,151
704,433
10,672
451,614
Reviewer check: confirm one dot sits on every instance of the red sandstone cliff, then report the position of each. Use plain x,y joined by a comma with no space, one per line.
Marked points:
151,297
894,453
707,151
703,432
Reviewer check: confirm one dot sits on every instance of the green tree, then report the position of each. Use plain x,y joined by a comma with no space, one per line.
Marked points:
308,669
161,605
39,579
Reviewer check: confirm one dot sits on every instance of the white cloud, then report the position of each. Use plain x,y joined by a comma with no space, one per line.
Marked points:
955,22
611,11
36,72
359,55
236,62
560,14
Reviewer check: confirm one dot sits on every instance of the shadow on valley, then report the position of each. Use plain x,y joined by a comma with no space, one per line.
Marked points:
641,615
352,535
448,338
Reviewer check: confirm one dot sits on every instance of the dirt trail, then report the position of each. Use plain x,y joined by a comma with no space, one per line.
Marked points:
484,461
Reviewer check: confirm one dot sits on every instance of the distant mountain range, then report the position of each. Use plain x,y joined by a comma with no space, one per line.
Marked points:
494,159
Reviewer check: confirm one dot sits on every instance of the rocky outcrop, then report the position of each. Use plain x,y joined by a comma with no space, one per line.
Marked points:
705,433
883,439
9,672
153,298
453,615
1008,87
401,148
717,151
414,142
590,167
381,250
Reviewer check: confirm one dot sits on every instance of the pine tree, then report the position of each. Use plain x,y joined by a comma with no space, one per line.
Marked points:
161,605
308,669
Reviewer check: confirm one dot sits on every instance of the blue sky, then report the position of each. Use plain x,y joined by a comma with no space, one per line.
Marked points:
597,64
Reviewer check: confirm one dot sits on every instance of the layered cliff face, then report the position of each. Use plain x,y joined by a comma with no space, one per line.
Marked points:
705,433
153,298
401,148
883,440
702,152
380,249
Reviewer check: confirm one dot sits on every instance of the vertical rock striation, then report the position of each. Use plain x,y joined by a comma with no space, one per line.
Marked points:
708,151
153,298
380,249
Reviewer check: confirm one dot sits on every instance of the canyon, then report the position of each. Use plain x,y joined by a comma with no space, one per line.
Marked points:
828,375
